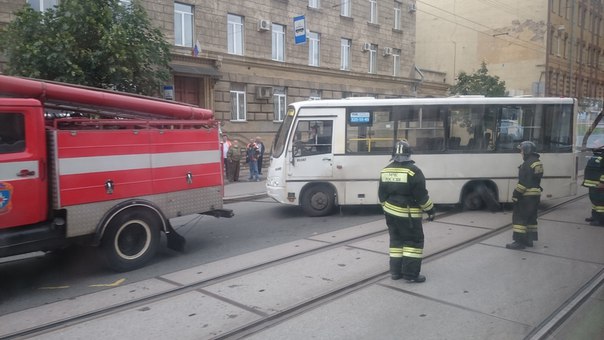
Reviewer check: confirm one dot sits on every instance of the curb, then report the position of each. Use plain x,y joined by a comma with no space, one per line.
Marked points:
243,198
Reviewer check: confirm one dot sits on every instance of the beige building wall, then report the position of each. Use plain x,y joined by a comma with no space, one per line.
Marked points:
509,35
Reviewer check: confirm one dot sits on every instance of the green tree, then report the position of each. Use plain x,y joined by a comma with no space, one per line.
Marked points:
479,83
99,43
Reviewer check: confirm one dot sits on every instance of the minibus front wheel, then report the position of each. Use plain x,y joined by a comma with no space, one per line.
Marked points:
318,200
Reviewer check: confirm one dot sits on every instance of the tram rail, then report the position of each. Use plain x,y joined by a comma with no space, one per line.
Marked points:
545,328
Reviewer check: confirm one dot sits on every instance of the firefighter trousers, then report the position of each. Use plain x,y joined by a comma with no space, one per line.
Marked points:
596,196
524,219
406,245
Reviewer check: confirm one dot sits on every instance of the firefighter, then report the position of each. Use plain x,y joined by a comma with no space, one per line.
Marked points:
403,196
526,197
594,181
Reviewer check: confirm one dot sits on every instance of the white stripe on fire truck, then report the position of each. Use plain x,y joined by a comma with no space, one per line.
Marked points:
81,165
9,170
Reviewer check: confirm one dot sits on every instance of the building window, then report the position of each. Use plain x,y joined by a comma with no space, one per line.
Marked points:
373,58
183,25
345,54
238,107
235,34
278,32
314,3
396,60
373,12
314,48
279,104
345,8
397,15
42,5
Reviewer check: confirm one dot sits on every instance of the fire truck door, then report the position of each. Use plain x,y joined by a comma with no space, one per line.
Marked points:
23,188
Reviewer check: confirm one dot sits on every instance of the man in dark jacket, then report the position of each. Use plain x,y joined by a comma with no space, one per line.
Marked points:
594,180
526,197
403,195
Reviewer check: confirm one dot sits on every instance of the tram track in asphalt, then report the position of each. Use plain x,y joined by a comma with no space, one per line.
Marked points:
546,327
280,316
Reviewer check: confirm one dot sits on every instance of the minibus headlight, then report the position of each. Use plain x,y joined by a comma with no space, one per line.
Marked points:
273,181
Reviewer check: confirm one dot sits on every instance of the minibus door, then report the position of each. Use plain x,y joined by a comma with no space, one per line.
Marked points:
311,154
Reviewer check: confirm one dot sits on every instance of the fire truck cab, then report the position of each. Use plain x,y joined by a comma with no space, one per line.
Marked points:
88,166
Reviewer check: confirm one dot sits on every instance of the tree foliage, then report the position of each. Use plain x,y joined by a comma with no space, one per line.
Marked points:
478,83
99,43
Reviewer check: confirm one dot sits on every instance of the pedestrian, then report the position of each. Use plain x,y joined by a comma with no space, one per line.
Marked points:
594,181
233,161
403,195
526,197
226,144
252,153
260,155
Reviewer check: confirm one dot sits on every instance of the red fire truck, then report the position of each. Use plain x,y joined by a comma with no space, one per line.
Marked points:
103,168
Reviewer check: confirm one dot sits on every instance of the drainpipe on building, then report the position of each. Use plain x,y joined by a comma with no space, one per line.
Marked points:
419,82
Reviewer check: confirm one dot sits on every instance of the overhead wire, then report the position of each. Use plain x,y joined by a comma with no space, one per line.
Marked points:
511,39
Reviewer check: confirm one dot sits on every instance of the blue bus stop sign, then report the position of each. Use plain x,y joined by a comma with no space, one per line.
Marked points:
299,30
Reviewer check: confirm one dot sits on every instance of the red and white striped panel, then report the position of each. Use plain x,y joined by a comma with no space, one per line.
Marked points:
138,163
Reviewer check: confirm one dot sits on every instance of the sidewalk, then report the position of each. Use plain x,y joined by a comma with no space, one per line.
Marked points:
244,189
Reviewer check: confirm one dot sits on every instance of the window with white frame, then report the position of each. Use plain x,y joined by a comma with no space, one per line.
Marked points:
42,5
279,104
235,34
373,12
396,60
314,3
314,48
278,32
373,58
345,45
238,106
183,25
397,15
345,8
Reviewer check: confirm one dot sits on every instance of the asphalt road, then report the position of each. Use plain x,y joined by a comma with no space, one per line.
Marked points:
52,277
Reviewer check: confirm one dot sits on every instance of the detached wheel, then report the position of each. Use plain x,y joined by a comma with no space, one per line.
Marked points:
130,240
318,201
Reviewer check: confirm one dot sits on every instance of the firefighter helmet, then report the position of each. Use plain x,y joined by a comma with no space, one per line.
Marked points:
527,147
401,151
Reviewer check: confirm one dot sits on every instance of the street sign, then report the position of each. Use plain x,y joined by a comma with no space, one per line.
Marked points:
169,92
299,30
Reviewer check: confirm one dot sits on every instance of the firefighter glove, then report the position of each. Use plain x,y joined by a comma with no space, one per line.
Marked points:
431,214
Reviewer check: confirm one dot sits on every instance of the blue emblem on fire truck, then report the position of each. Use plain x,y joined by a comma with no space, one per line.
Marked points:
6,195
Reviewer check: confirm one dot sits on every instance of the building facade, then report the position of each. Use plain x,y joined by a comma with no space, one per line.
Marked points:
539,48
246,60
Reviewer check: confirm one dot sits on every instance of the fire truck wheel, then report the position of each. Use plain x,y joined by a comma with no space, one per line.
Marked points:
130,240
319,200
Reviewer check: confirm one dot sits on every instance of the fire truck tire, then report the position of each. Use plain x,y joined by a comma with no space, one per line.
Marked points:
319,200
131,239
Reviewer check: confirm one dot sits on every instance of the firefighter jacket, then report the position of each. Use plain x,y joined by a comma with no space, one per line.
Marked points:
530,173
594,172
402,190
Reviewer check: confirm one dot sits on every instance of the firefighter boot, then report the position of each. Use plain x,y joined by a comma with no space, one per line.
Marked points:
396,264
417,279
515,245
